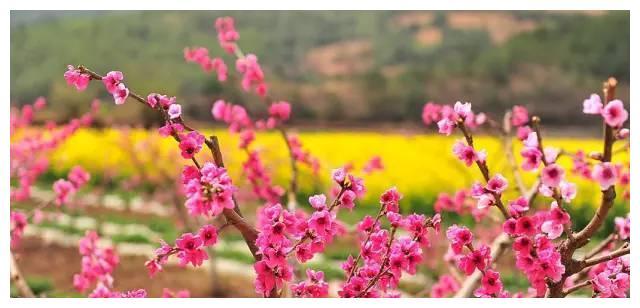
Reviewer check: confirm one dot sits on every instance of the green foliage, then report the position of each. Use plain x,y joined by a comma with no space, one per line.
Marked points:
39,286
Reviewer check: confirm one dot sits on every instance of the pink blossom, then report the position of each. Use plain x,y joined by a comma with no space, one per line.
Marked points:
519,116
497,184
491,283
209,235
78,176
485,201
605,174
463,110
509,226
17,224
227,34
459,237
170,128
191,251
519,205
339,175
445,286
280,110
478,258
592,105
532,140
190,144
551,154
347,200
252,75
614,113
375,163
523,132
322,222
525,225
446,126
465,153
63,190
175,110
552,175
112,80
318,202
391,199
568,191
120,94
623,226
77,79
623,133
314,286
153,267
430,113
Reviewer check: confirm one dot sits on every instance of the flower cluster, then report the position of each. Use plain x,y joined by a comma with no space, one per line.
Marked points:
314,286
468,154
260,180
476,258
98,265
536,255
234,115
77,79
17,223
209,190
65,189
200,55
189,248
28,150
488,194
614,113
447,117
445,286
283,233
611,278
384,256
227,34
252,75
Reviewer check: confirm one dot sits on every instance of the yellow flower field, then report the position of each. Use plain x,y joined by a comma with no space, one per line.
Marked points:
418,165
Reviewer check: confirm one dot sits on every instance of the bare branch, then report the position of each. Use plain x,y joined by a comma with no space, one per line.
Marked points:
18,280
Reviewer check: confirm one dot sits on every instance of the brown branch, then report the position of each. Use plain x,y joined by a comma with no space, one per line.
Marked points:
483,167
576,287
602,246
18,279
382,269
624,250
568,247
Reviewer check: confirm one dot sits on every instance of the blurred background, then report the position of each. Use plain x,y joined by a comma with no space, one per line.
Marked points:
355,69
357,82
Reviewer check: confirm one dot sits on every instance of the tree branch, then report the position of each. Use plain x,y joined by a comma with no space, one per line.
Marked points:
18,279
624,250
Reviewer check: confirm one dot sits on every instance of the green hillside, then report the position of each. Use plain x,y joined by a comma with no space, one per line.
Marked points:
400,60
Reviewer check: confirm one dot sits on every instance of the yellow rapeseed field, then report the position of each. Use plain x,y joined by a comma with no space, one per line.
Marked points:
418,165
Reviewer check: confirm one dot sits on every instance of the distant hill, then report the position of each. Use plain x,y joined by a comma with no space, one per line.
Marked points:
355,67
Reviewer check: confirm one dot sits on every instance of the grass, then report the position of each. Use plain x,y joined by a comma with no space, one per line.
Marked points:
39,286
